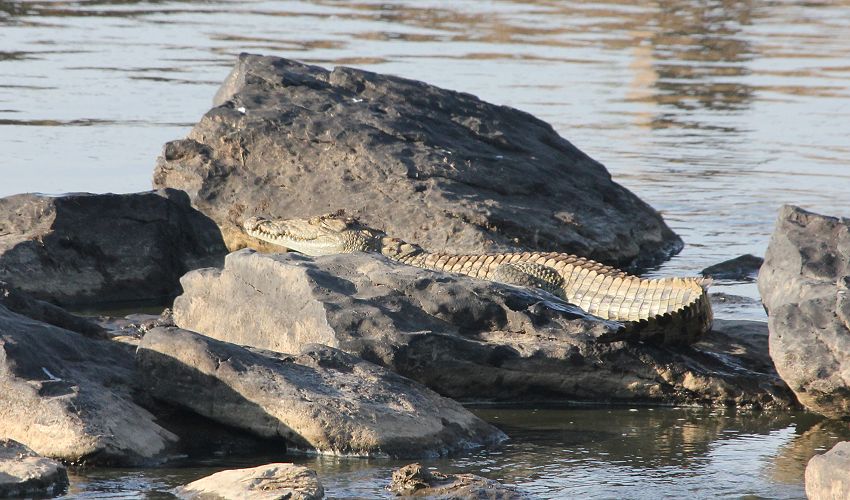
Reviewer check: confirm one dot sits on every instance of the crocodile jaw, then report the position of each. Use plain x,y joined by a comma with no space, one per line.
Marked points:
325,235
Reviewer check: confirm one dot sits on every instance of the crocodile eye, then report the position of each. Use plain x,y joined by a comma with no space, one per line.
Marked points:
335,224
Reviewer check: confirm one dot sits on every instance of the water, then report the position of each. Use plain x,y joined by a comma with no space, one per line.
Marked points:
714,112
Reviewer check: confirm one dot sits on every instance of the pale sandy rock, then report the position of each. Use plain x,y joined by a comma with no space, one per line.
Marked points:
280,481
321,400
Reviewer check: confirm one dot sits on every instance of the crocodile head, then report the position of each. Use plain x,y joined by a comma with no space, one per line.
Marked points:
323,235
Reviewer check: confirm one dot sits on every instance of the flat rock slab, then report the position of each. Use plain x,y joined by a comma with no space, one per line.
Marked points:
828,475
322,400
25,474
24,304
428,165
68,397
416,481
280,481
93,249
468,339
805,286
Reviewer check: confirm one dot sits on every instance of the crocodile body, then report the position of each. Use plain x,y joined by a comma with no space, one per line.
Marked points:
676,309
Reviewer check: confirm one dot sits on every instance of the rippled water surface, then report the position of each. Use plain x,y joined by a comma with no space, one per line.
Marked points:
715,112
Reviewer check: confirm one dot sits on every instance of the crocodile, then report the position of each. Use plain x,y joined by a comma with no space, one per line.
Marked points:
676,309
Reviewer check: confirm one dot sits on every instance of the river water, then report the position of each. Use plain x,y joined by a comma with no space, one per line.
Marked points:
715,112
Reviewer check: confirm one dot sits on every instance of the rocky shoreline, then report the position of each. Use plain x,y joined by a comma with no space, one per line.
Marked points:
353,354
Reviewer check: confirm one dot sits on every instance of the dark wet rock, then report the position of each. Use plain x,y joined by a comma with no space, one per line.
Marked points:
416,481
828,475
740,268
432,166
69,397
24,474
22,303
468,339
804,285
322,400
94,249
279,481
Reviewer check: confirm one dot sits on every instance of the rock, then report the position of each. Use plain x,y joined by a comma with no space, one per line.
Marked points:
465,338
88,249
322,400
740,268
281,481
22,303
438,168
804,286
414,480
25,474
828,475
69,397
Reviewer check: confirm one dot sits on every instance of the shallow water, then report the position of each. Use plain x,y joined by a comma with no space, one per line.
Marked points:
569,453
714,112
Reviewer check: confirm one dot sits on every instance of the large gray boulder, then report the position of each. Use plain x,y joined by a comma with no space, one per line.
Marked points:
828,475
321,400
279,481
435,167
465,338
68,397
804,286
88,249
25,474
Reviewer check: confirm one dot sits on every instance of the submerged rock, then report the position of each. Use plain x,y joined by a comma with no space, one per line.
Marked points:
828,475
468,339
68,397
740,268
25,474
804,285
281,481
322,400
415,481
92,249
434,166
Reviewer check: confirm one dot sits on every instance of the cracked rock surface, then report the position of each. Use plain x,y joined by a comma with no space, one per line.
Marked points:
320,400
435,167
805,286
69,397
469,339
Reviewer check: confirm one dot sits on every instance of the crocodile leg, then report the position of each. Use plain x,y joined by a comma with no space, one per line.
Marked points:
529,274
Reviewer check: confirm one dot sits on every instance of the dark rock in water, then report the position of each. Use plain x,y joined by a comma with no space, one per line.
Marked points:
740,268
804,285
415,481
280,481
68,397
88,249
828,475
441,168
24,474
22,303
322,400
466,338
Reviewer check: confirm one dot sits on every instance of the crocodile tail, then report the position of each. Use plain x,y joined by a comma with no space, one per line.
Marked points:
682,327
